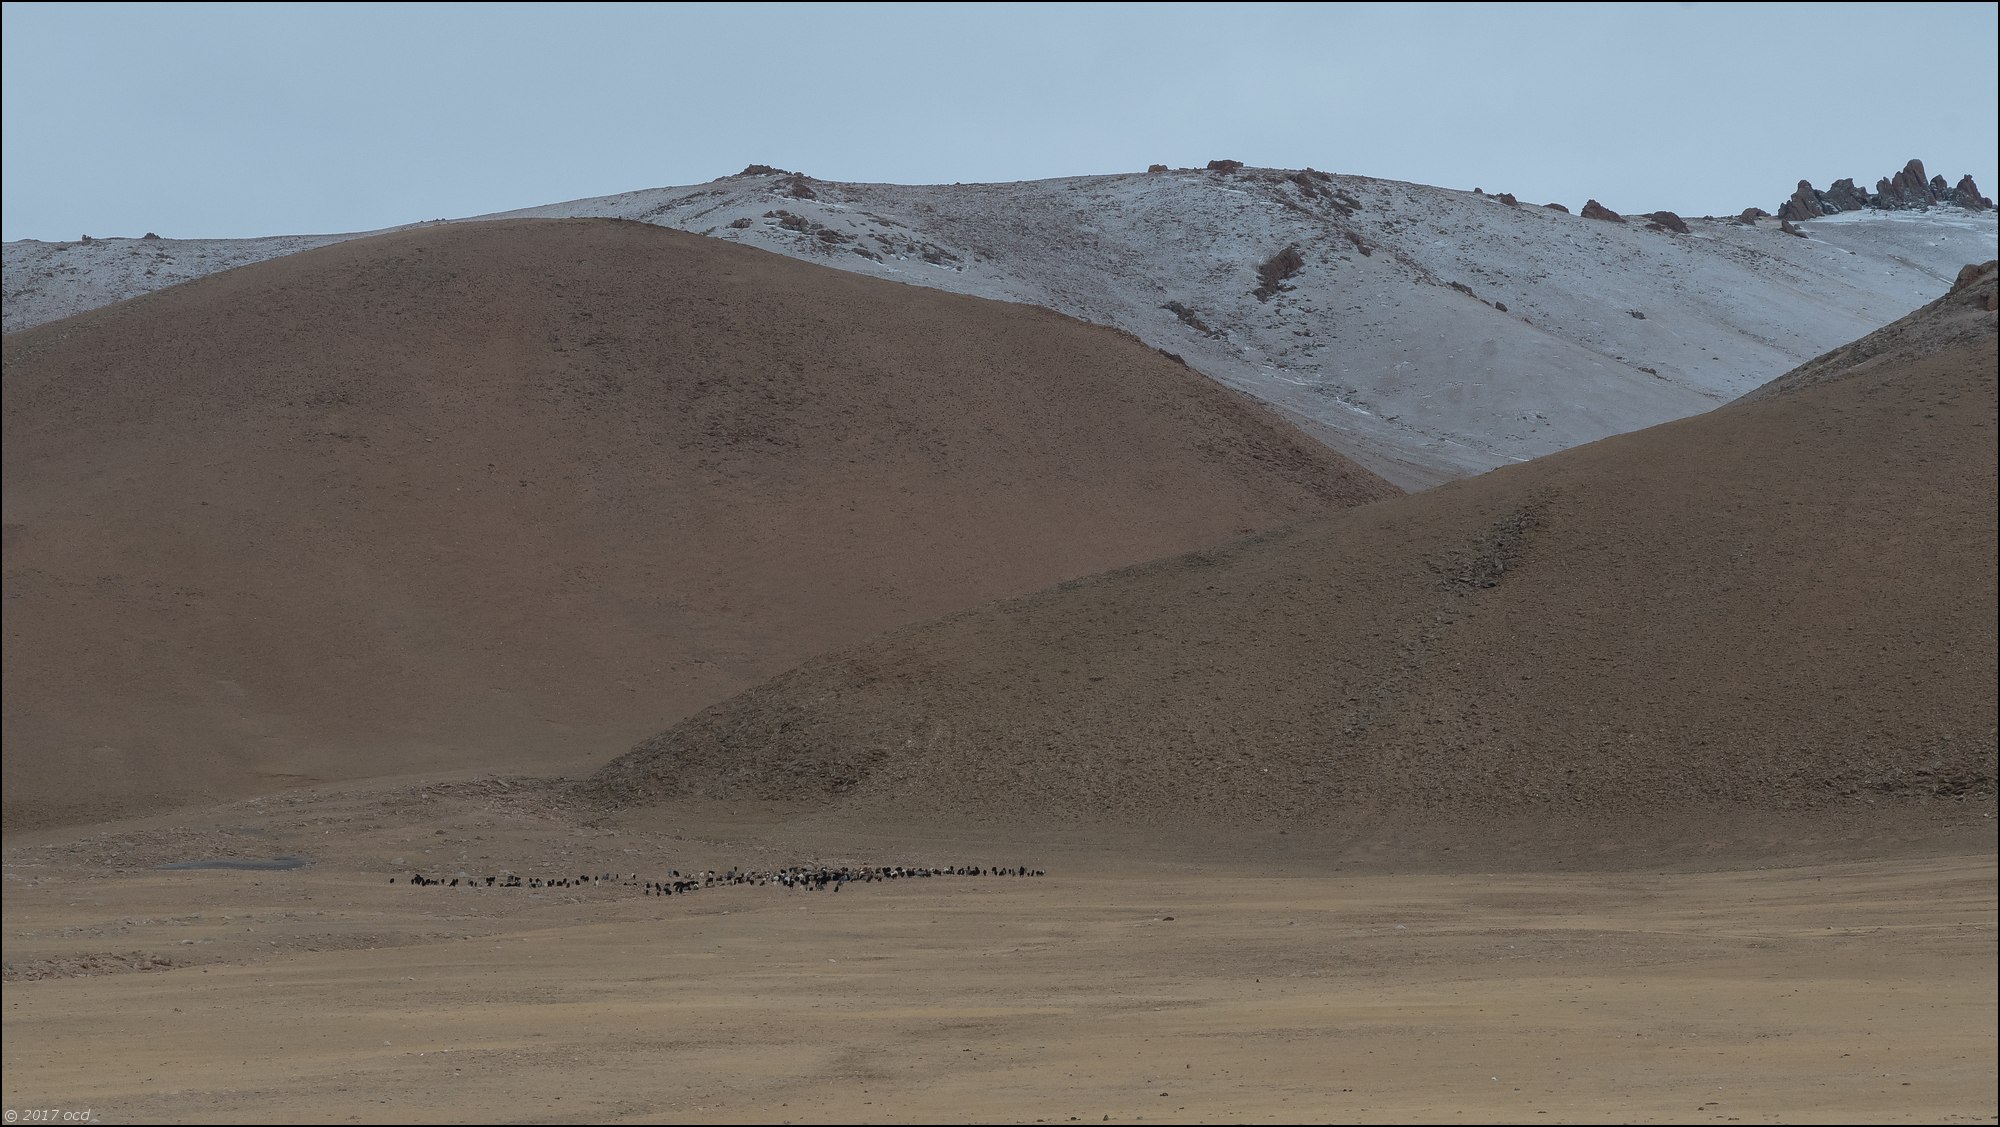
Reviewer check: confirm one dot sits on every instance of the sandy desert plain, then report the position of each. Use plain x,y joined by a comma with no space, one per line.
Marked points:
1147,979
1649,781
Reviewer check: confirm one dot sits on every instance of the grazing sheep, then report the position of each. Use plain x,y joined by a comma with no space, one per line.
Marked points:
808,878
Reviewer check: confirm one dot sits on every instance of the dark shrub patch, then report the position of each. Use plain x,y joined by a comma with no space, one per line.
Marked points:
1273,271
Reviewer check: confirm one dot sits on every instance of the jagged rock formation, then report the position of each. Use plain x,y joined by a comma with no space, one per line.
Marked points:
1845,196
1667,221
1967,196
1804,202
1594,210
1906,190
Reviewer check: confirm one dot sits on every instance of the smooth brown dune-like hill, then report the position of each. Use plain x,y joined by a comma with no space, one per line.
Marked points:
508,493
1784,605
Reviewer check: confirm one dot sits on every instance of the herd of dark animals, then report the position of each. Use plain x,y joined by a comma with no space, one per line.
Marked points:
816,878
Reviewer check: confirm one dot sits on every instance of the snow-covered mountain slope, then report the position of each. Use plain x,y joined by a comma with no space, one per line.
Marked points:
1428,333
49,281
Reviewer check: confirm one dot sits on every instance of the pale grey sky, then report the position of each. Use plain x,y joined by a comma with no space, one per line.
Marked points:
237,120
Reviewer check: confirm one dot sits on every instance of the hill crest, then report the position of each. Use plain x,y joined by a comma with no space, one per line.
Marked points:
1428,333
504,494
1783,607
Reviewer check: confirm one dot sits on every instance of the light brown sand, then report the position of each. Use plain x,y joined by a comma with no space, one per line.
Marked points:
1281,989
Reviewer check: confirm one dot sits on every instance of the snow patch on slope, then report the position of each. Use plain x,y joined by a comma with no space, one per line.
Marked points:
1391,343
1429,334
49,281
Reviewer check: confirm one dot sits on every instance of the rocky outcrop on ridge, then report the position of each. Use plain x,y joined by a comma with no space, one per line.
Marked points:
1907,190
1845,196
1967,196
1803,202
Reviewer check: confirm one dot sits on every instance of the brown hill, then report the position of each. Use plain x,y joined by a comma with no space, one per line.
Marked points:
509,493
1964,323
1783,605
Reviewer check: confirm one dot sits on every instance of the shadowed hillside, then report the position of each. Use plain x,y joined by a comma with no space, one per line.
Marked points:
508,493
1786,605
